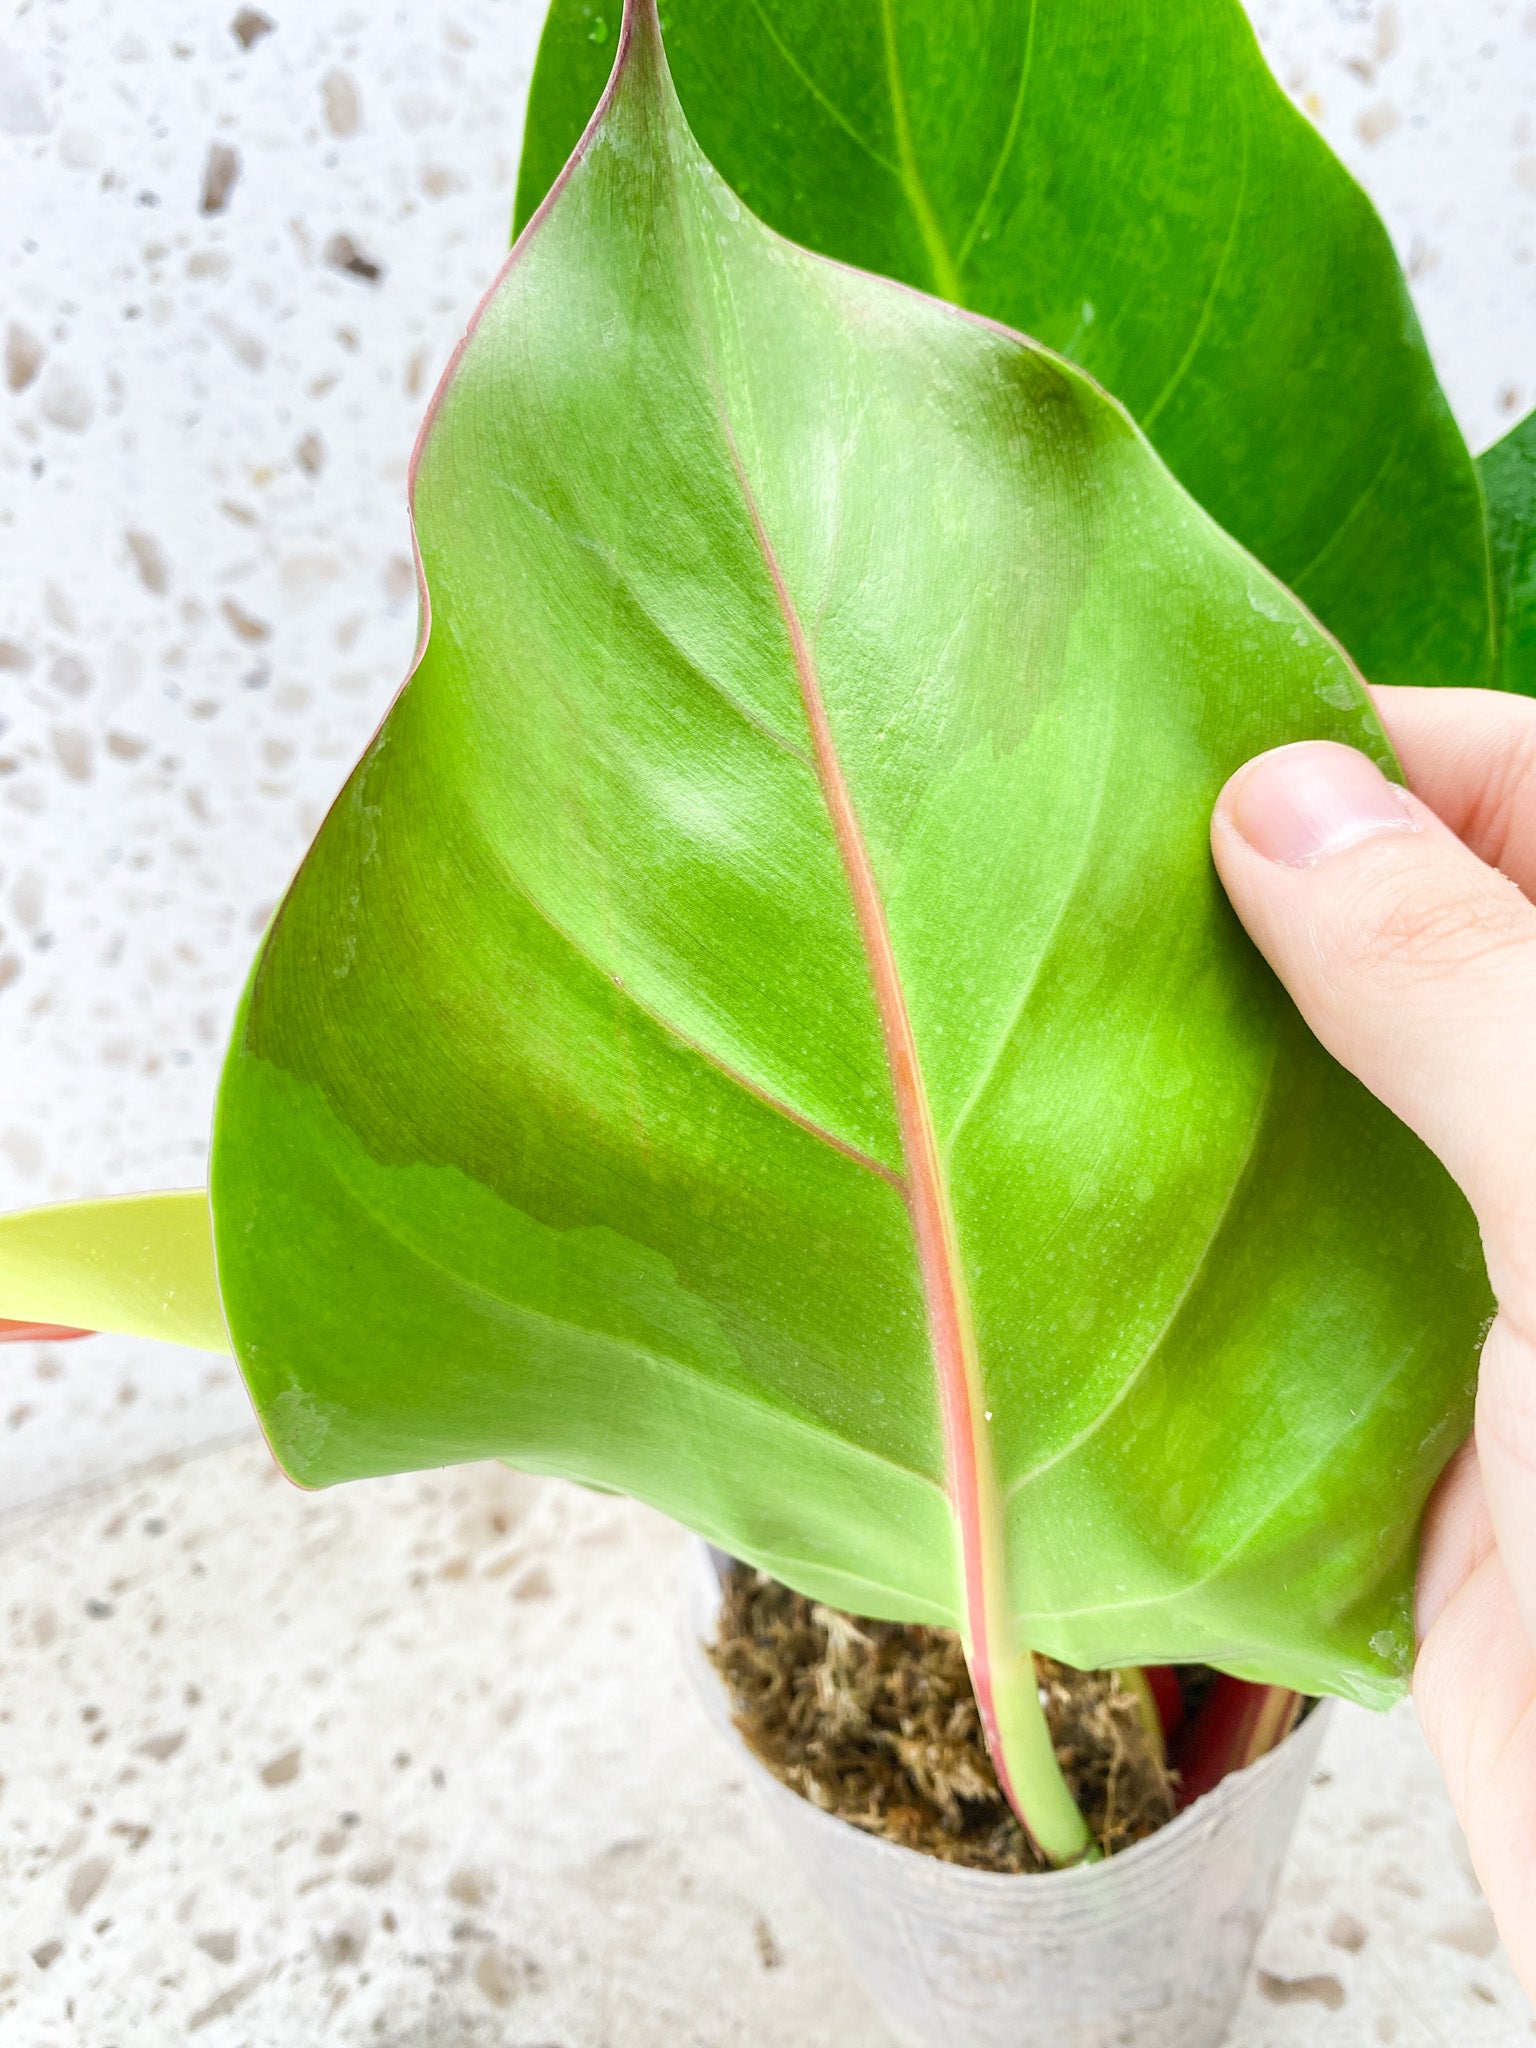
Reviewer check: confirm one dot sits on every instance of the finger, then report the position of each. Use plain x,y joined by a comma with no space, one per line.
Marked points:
1506,1455
1412,960
1475,1690
1471,756
1457,1535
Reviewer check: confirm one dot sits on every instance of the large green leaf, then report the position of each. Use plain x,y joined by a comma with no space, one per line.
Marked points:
1127,182
1508,472
760,1029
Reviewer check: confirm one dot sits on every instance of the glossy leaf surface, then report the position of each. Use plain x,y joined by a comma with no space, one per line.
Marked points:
765,985
138,1264
1508,471
1127,182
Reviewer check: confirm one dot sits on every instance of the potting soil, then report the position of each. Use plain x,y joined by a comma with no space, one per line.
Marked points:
877,1722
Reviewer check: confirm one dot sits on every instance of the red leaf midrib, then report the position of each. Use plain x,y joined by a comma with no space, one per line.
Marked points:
972,1482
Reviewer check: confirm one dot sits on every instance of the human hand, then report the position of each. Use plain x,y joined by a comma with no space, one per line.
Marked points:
1404,927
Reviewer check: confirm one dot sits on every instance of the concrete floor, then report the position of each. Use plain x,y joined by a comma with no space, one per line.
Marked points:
206,602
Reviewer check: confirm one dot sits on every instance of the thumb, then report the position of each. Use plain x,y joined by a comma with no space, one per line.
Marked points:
1412,960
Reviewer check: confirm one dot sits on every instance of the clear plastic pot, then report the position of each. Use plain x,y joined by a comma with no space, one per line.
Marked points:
1147,1950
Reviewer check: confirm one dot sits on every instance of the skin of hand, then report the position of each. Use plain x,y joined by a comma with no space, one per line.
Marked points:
1404,927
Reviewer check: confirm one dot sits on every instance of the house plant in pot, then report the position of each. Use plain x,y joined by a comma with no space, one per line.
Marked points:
758,1029
1151,1946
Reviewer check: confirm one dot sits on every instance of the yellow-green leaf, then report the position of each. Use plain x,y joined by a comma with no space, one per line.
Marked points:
141,1265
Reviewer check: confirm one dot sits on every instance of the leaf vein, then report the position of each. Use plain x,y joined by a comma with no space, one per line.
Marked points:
1010,139
674,1031
946,276
588,544
1185,1295
1367,490
816,92
1229,1557
671,1367
1208,303
994,1059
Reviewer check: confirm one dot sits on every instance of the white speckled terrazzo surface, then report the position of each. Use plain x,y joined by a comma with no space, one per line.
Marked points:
205,604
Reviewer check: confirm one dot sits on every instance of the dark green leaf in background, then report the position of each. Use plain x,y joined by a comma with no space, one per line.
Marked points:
1128,183
779,616
1508,471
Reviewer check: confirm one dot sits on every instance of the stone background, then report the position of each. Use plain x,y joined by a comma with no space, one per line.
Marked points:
231,270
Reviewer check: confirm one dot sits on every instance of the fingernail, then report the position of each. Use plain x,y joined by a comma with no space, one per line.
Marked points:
1302,803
